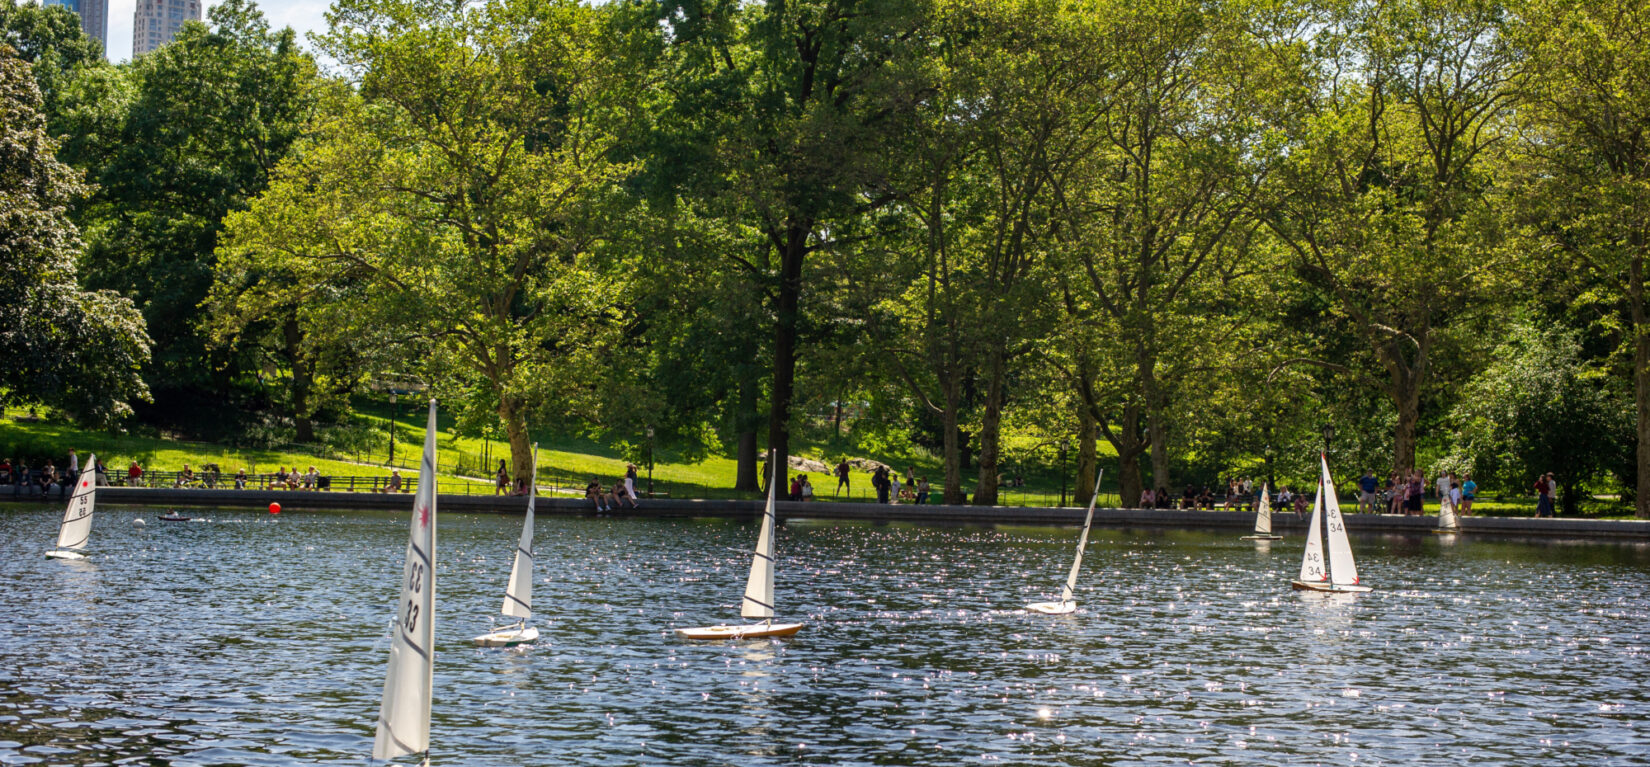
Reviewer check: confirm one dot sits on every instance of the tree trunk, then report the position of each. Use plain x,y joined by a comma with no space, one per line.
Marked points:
1641,374
303,378
1128,479
1087,461
784,341
985,491
1406,396
1157,425
745,477
953,443
512,410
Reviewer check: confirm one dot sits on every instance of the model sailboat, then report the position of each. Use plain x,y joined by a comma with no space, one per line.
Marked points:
1448,521
1263,518
1068,602
758,602
404,715
76,529
518,595
1337,572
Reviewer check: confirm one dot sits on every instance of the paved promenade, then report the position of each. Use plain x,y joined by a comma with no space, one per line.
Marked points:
1286,524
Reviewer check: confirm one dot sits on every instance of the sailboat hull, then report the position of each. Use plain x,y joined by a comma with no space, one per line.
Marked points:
64,554
753,631
1328,587
508,637
1052,608
1261,538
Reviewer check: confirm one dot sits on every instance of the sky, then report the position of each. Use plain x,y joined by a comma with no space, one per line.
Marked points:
305,16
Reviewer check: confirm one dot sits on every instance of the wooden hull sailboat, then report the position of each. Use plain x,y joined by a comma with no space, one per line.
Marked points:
518,594
1068,592
404,712
758,601
1263,518
1328,566
76,529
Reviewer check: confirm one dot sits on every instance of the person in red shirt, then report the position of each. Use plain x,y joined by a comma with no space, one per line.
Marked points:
134,474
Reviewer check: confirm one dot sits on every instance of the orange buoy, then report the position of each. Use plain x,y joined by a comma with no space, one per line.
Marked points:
274,508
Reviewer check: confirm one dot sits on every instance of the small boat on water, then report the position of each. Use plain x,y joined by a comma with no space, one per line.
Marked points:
1263,518
518,594
75,530
1068,595
404,712
1449,523
173,516
759,600
1336,572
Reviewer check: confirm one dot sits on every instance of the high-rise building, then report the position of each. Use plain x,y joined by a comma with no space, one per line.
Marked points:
155,22
94,18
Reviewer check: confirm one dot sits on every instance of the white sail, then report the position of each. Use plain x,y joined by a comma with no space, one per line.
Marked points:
758,601
518,596
1342,569
1312,563
77,518
1446,516
404,716
1082,542
1263,513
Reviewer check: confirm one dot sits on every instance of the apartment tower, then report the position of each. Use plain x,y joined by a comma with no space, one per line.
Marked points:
156,21
94,18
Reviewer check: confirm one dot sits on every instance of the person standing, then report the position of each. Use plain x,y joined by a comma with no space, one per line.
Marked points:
893,490
1469,491
1417,487
807,489
73,471
767,475
879,480
501,479
795,492
1366,492
630,483
842,472
1544,495
1446,481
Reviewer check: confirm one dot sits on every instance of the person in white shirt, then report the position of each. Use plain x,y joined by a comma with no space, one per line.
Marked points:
1445,481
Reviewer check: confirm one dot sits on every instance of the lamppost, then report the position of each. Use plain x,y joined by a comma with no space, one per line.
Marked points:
1328,436
390,427
650,461
1064,445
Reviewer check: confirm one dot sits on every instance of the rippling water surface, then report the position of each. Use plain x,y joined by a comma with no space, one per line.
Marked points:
252,639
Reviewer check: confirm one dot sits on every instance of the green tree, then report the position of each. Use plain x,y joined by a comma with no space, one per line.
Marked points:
211,115
1587,110
1539,408
795,104
64,347
1388,197
457,203
49,38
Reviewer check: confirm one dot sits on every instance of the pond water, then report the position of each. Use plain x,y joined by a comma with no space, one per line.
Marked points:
252,639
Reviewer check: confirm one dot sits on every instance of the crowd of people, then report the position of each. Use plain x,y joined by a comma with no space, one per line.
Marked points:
46,477
622,493
1401,492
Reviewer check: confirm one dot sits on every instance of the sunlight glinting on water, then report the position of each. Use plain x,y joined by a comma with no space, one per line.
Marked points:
257,640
